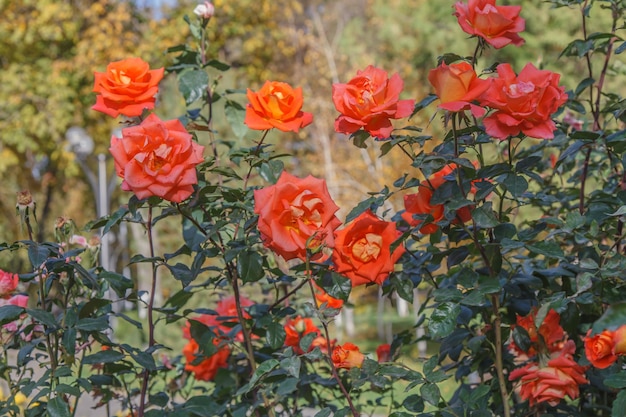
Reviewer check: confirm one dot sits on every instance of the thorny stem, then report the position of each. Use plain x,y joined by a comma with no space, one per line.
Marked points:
495,299
289,294
329,347
151,341
456,137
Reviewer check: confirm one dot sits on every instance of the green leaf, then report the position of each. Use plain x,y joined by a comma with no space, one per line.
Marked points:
43,317
613,317
275,334
325,412
119,283
263,369
98,324
115,218
38,254
235,114
9,313
336,285
443,320
619,405
430,393
292,366
616,380
548,249
484,217
218,65
192,85
414,403
250,266
515,184
104,356
58,408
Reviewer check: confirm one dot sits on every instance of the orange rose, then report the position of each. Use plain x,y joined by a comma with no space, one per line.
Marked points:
419,203
362,249
619,340
457,86
552,382
322,298
523,103
347,356
369,101
299,327
8,283
276,105
127,87
497,25
295,212
157,158
227,311
599,349
383,352
550,331
204,368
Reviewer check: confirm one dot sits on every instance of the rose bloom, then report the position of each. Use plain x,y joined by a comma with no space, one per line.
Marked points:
599,349
347,356
550,383
297,328
383,353
550,331
369,101
497,25
362,249
293,212
227,311
206,369
127,87
419,203
8,283
523,103
157,158
204,10
276,105
322,297
457,86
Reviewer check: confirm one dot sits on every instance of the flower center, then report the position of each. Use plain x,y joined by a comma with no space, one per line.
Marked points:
159,157
521,88
367,248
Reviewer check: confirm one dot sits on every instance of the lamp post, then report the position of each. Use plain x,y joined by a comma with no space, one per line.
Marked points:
82,145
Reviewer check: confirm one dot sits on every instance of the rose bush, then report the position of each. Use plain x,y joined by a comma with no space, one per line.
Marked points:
513,260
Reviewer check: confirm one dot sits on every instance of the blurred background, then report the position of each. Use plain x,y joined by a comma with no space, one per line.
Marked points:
54,145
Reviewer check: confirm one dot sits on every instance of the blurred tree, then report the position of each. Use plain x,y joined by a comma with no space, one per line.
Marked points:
49,53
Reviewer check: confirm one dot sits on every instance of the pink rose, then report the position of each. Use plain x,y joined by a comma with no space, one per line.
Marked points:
369,101
523,103
497,25
8,283
157,158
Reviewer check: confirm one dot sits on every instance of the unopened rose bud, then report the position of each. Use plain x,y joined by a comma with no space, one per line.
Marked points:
204,10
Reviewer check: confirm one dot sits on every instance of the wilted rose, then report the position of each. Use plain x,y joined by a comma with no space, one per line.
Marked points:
497,25
457,86
523,103
550,383
599,349
127,87
157,158
277,105
362,249
295,215
369,101
347,356
420,204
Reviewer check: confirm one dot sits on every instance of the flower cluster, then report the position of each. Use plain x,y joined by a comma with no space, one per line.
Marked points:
550,372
